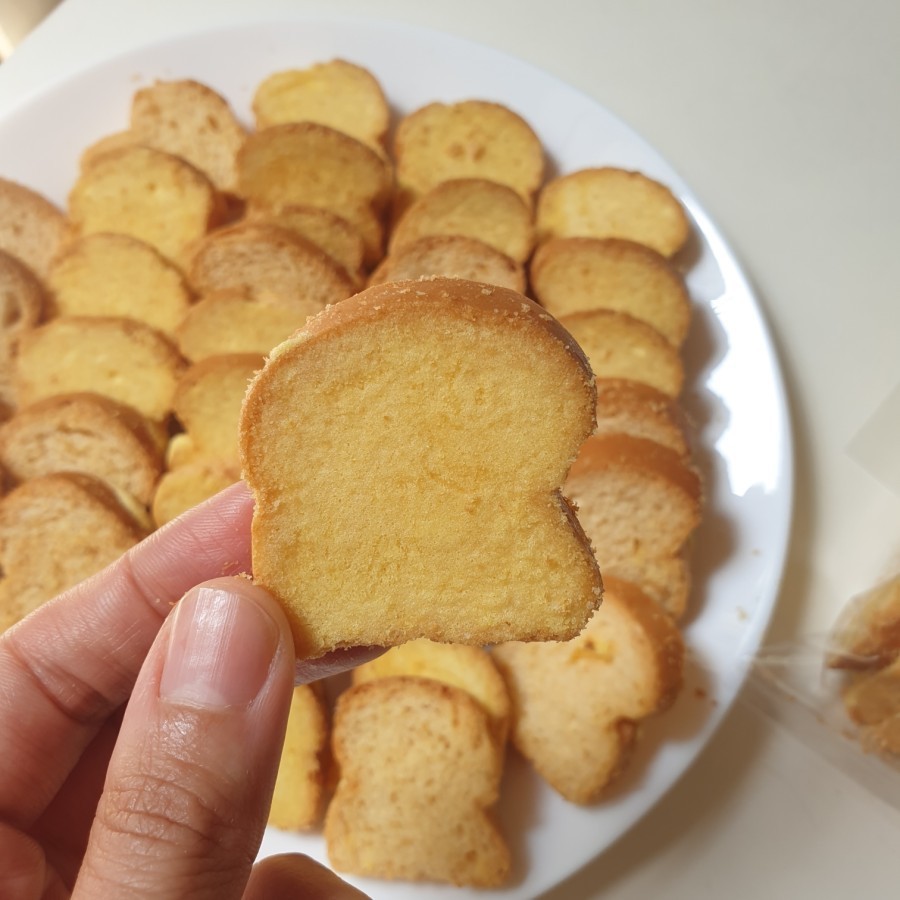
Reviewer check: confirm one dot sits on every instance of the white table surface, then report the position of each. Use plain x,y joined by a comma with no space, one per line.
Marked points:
783,117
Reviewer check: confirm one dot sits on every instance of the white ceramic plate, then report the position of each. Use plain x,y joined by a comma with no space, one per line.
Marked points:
734,393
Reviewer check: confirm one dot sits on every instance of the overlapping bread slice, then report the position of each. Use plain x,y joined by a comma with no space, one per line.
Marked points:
419,775
85,433
117,275
55,531
867,633
665,579
570,275
336,93
612,203
436,421
872,700
577,705
188,485
473,207
453,256
31,228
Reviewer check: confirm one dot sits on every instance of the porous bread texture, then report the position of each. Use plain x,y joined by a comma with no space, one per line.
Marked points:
867,632
336,93
577,706
621,346
610,202
228,321
467,139
188,485
423,813
298,801
55,531
472,207
118,275
665,579
570,275
436,421
31,228
83,433
192,121
271,263
469,668
148,194
452,256
120,358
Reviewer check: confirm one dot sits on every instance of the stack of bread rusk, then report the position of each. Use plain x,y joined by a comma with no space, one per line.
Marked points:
191,246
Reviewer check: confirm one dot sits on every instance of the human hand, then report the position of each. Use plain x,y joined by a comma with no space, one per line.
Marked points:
168,796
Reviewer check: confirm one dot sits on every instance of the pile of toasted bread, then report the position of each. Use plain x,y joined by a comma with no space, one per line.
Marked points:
191,246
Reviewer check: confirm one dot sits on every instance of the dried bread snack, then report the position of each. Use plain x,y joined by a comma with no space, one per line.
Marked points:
191,483
423,814
473,207
467,139
298,801
872,700
84,433
469,668
268,263
612,203
149,194
452,256
620,346
192,121
336,93
665,579
570,275
103,145
436,421
73,520
31,228
867,633
120,358
117,275
577,706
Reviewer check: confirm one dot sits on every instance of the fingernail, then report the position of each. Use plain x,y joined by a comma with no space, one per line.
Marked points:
220,651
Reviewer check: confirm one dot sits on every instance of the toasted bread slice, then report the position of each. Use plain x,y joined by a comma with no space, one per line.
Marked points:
473,207
635,498
103,145
190,120
193,482
630,407
226,322
336,93
83,433
468,139
577,706
120,358
423,814
31,228
436,421
665,579
570,275
867,633
873,697
612,203
298,801
117,275
268,262
452,256
469,668
620,346
55,531
149,194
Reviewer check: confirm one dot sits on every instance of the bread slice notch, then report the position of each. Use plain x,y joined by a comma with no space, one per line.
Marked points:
423,813
120,358
192,121
578,705
84,433
336,93
149,194
473,207
55,531
31,228
268,262
118,275
459,665
452,256
436,421
609,202
570,275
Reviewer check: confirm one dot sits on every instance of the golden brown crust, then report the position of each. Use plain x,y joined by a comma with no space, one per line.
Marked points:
31,228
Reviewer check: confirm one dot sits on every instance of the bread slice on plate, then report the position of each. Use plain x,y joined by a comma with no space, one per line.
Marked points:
31,228
665,579
435,421
189,484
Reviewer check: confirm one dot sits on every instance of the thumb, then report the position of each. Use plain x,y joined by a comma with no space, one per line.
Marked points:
190,781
